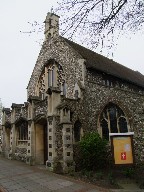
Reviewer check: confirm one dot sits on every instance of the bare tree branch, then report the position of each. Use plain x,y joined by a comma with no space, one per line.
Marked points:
101,19
94,22
0,112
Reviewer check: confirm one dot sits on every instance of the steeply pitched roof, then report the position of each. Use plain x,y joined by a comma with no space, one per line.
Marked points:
103,64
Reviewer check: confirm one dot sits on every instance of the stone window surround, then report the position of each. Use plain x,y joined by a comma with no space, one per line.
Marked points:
124,116
22,133
52,75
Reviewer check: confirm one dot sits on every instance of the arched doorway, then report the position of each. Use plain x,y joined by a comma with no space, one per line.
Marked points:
112,120
41,139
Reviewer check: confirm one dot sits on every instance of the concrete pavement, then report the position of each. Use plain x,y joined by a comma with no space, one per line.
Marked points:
16,176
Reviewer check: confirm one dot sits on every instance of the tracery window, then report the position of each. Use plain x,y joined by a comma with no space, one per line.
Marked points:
113,120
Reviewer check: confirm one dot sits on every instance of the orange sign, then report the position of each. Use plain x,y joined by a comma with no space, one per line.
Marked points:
122,149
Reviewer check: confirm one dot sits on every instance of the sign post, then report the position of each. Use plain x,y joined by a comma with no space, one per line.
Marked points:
122,148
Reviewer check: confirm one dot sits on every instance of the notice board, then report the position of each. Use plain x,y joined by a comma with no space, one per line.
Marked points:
122,148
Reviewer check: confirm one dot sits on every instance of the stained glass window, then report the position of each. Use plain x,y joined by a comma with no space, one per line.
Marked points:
112,120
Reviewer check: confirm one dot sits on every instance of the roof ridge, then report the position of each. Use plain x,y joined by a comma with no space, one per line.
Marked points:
99,54
101,63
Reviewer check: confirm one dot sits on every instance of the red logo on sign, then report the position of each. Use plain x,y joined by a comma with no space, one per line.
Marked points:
123,156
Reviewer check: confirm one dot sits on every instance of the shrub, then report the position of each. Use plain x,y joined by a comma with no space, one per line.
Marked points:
128,172
93,151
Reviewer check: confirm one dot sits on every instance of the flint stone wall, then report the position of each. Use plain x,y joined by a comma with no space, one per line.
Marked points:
24,112
97,95
17,113
40,108
59,50
129,97
8,117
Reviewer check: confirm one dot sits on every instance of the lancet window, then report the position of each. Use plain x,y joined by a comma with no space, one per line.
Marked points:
56,76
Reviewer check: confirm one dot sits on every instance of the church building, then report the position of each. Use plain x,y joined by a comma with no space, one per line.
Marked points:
72,91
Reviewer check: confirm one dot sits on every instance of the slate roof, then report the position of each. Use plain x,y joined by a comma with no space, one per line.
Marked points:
108,66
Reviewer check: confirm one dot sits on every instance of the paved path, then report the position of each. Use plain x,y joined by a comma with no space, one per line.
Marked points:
16,176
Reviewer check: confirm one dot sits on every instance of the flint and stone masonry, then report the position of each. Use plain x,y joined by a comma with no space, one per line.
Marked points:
72,90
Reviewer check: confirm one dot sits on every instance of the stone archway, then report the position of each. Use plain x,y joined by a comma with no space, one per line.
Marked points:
41,141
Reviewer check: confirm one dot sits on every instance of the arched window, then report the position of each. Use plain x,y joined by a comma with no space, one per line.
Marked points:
51,76
112,120
56,76
77,130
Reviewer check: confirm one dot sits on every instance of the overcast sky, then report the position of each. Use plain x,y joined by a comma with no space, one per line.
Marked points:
19,52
